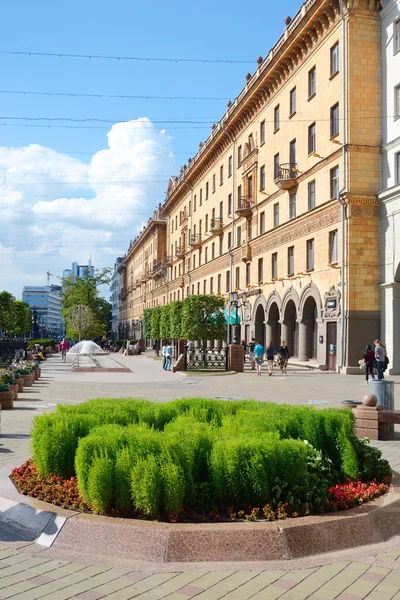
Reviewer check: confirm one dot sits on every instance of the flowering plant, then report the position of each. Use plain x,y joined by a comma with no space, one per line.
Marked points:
7,376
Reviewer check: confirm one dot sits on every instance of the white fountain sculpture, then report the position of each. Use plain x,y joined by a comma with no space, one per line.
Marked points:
86,347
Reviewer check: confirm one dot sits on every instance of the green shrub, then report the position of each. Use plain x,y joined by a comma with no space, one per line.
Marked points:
200,454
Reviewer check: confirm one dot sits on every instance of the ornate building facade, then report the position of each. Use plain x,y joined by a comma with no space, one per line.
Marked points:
281,200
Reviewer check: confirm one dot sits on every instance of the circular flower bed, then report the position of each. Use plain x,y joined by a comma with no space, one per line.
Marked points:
201,460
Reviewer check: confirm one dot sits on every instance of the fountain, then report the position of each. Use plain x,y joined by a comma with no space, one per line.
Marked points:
86,347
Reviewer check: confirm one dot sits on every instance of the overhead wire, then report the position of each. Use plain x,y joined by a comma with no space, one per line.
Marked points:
114,96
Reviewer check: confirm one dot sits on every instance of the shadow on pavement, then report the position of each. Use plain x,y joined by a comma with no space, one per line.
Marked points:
21,523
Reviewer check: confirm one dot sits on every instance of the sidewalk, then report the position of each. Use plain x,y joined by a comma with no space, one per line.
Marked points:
29,571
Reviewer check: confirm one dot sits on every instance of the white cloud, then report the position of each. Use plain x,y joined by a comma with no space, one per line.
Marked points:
49,227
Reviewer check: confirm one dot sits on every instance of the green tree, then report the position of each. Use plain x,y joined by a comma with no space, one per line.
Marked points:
165,321
6,311
203,318
175,315
82,323
155,322
146,323
21,318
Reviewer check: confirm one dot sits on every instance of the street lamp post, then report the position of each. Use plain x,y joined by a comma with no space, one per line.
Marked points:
234,302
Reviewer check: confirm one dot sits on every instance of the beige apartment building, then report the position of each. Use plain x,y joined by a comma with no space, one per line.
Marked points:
287,179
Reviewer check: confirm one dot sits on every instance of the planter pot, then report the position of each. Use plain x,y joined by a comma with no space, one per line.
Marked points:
4,387
40,371
27,379
20,383
6,400
36,374
14,389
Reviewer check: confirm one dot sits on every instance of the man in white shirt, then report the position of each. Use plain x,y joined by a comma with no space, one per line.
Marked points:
163,355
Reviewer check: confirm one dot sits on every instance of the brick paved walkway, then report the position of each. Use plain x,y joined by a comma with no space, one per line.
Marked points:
29,571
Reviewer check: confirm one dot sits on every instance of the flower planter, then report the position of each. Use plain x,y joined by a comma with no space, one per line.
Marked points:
20,383
40,371
14,390
6,400
35,374
4,387
27,379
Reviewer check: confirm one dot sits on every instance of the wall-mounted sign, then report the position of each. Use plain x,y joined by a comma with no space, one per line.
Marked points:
331,303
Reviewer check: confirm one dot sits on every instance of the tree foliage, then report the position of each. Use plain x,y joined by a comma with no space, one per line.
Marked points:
165,321
175,316
155,322
203,318
15,315
146,323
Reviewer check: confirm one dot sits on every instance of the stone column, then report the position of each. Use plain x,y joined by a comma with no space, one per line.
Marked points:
302,341
284,331
268,333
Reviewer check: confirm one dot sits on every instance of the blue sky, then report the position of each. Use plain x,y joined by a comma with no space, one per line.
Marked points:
40,191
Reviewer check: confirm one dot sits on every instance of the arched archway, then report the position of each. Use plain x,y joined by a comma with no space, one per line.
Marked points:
273,329
290,329
310,315
259,323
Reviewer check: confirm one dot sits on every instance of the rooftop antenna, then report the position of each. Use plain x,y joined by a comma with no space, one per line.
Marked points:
48,276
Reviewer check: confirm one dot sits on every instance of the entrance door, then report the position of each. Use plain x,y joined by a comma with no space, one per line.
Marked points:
332,341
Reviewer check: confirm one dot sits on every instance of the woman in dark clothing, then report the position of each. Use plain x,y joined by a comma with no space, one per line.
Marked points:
283,352
369,357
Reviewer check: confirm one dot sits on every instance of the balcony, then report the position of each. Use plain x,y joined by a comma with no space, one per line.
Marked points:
245,206
157,268
287,176
217,226
180,252
183,221
123,293
167,261
143,277
246,252
195,241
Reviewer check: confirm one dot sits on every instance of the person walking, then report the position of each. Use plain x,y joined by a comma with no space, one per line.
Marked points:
163,354
244,350
283,352
252,345
63,347
380,354
271,351
259,353
168,356
369,357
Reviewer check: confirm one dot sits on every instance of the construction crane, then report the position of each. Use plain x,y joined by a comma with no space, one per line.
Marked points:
48,276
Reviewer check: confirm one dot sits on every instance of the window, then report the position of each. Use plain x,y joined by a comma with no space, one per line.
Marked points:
262,132
207,186
250,143
292,206
262,222
397,102
230,163
292,154
213,182
276,166
213,214
335,59
311,195
194,203
396,36
176,222
205,286
172,226
190,208
198,287
333,247
276,214
227,280
238,236
230,239
335,120
290,255
194,261
206,254
292,102
237,278
192,291
239,155
221,245
311,139
200,229
262,177
221,210
276,118
201,197
248,275
312,82
221,175
397,167
211,285
229,204
260,270
213,251
334,182
206,224
310,255
219,289
274,265
250,187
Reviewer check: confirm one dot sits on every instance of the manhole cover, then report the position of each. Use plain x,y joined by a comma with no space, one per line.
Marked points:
225,398
351,402
314,402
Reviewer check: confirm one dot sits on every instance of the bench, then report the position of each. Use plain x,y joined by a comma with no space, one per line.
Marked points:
375,422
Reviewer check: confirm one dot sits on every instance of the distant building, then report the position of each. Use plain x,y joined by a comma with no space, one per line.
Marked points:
79,270
114,297
45,301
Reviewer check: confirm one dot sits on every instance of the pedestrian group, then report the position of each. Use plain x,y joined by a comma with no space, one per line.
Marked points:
374,359
273,355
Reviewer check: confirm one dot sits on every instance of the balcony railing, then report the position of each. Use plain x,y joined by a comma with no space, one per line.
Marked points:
183,220
167,261
245,206
216,226
287,176
246,252
157,267
195,240
180,252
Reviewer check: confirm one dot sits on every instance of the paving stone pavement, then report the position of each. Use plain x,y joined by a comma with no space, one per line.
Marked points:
29,571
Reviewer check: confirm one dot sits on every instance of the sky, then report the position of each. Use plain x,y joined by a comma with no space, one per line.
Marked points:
79,176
